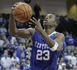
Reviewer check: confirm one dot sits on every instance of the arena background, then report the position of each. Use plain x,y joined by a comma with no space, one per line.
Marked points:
48,6
65,10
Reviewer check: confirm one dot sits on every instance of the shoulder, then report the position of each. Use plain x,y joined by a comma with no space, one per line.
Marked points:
60,35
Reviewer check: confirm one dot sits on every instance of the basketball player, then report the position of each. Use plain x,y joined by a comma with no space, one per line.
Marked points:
47,43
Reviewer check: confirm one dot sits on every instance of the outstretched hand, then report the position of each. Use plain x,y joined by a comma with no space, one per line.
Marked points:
37,23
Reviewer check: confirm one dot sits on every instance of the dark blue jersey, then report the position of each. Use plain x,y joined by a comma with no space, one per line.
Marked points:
71,41
42,57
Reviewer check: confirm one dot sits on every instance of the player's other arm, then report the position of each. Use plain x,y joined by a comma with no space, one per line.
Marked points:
59,40
55,45
19,32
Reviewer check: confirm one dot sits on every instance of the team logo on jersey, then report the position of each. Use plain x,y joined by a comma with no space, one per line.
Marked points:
41,46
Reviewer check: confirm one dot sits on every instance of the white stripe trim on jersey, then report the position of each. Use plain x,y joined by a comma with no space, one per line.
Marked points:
52,33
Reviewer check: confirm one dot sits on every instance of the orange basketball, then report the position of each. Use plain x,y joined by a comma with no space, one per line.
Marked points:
22,12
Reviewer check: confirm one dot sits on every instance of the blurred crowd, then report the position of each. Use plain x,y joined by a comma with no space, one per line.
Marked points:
15,52
68,58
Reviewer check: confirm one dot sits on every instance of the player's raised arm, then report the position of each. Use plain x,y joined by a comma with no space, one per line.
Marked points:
19,32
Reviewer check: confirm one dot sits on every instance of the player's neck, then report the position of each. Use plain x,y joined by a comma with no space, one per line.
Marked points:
49,31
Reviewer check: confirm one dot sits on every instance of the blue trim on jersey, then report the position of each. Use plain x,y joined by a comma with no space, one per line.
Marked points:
42,57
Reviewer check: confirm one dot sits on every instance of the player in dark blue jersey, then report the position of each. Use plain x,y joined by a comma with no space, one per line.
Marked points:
47,43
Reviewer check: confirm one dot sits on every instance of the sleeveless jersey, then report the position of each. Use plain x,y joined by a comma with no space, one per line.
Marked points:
42,58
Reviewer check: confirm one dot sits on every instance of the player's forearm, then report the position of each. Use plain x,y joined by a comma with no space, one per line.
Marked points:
47,39
12,25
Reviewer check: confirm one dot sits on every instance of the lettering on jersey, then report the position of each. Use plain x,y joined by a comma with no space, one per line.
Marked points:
42,46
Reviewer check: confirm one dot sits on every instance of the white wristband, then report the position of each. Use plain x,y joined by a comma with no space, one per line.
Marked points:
54,48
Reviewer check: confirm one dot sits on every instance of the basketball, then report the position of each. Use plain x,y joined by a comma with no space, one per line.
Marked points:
22,12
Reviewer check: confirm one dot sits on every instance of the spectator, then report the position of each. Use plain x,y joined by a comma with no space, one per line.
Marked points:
66,37
67,58
15,58
7,68
6,44
3,32
73,59
61,64
22,40
28,52
11,39
25,65
70,44
13,67
5,60
75,67
18,66
29,42
28,48
69,65
19,50
22,56
0,65
2,42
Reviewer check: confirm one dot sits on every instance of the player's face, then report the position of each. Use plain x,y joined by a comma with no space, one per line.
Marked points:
49,21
